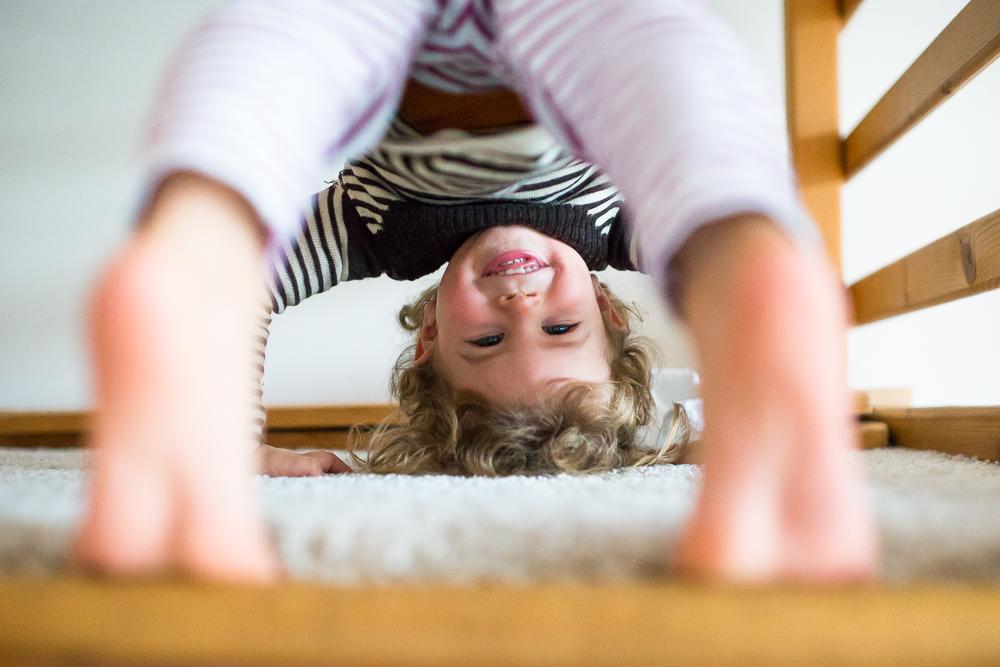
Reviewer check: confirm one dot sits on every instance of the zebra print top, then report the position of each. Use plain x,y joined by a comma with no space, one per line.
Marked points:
405,209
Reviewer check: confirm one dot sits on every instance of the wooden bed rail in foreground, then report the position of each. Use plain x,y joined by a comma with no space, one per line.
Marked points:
81,621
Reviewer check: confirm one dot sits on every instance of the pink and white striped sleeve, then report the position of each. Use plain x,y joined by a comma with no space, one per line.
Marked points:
658,94
267,93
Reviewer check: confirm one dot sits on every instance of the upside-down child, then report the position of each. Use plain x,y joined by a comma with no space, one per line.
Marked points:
518,332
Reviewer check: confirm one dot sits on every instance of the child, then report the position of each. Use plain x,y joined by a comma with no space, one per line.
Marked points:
651,91
547,318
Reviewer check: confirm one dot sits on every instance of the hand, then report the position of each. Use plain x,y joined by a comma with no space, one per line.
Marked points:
276,462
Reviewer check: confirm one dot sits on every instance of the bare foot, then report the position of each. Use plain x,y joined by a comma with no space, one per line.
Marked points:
783,496
172,326
276,462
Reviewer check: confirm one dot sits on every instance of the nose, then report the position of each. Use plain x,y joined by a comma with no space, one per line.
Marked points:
518,297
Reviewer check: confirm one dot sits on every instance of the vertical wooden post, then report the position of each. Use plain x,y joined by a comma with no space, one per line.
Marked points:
811,29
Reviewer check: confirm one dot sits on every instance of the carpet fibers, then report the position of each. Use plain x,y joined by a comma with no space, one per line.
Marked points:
939,518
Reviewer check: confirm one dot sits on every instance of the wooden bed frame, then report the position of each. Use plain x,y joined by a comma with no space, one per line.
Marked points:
86,620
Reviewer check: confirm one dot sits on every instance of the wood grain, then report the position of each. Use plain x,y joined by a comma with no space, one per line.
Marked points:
961,264
12,422
71,620
315,427
307,438
811,30
957,430
873,434
330,427
283,417
44,440
326,416
969,43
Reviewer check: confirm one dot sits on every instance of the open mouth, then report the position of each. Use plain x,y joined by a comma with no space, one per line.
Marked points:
513,262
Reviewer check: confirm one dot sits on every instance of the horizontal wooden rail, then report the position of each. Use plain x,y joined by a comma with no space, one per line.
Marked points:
289,427
959,430
82,621
317,427
847,8
969,43
964,263
42,422
327,416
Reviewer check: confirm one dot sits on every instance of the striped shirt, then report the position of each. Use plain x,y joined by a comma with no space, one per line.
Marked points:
403,209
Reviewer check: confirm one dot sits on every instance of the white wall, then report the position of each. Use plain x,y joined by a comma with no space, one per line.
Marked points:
942,175
76,79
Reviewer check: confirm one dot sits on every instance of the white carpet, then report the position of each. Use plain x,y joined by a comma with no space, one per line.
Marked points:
939,515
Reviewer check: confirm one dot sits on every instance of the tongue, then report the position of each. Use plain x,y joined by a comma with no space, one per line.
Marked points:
512,259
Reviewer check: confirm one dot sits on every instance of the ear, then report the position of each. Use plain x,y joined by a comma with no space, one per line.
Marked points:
427,335
604,303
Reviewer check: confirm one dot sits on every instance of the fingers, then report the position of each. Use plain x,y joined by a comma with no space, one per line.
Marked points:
329,462
276,462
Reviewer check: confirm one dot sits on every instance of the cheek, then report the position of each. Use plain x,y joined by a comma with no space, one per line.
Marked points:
457,308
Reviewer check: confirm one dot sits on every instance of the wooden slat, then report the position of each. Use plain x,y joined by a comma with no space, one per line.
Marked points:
847,8
964,263
965,431
327,416
969,43
43,422
286,417
811,30
35,431
318,438
873,434
97,622
862,403
45,440
307,438
867,400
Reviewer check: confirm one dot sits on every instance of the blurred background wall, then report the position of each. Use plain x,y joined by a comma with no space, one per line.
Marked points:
76,79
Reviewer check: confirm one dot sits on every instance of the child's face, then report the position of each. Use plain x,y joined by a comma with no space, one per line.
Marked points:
512,336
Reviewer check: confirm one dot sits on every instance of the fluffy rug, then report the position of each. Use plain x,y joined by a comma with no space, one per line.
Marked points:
939,519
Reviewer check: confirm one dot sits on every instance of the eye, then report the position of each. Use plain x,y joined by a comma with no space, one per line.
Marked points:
559,329
488,341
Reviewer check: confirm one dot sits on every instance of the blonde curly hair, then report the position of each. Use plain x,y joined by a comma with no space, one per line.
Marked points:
439,429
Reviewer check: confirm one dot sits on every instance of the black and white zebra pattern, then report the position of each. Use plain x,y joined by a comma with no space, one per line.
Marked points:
450,167
455,167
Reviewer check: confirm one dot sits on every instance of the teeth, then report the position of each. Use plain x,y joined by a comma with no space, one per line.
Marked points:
523,269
